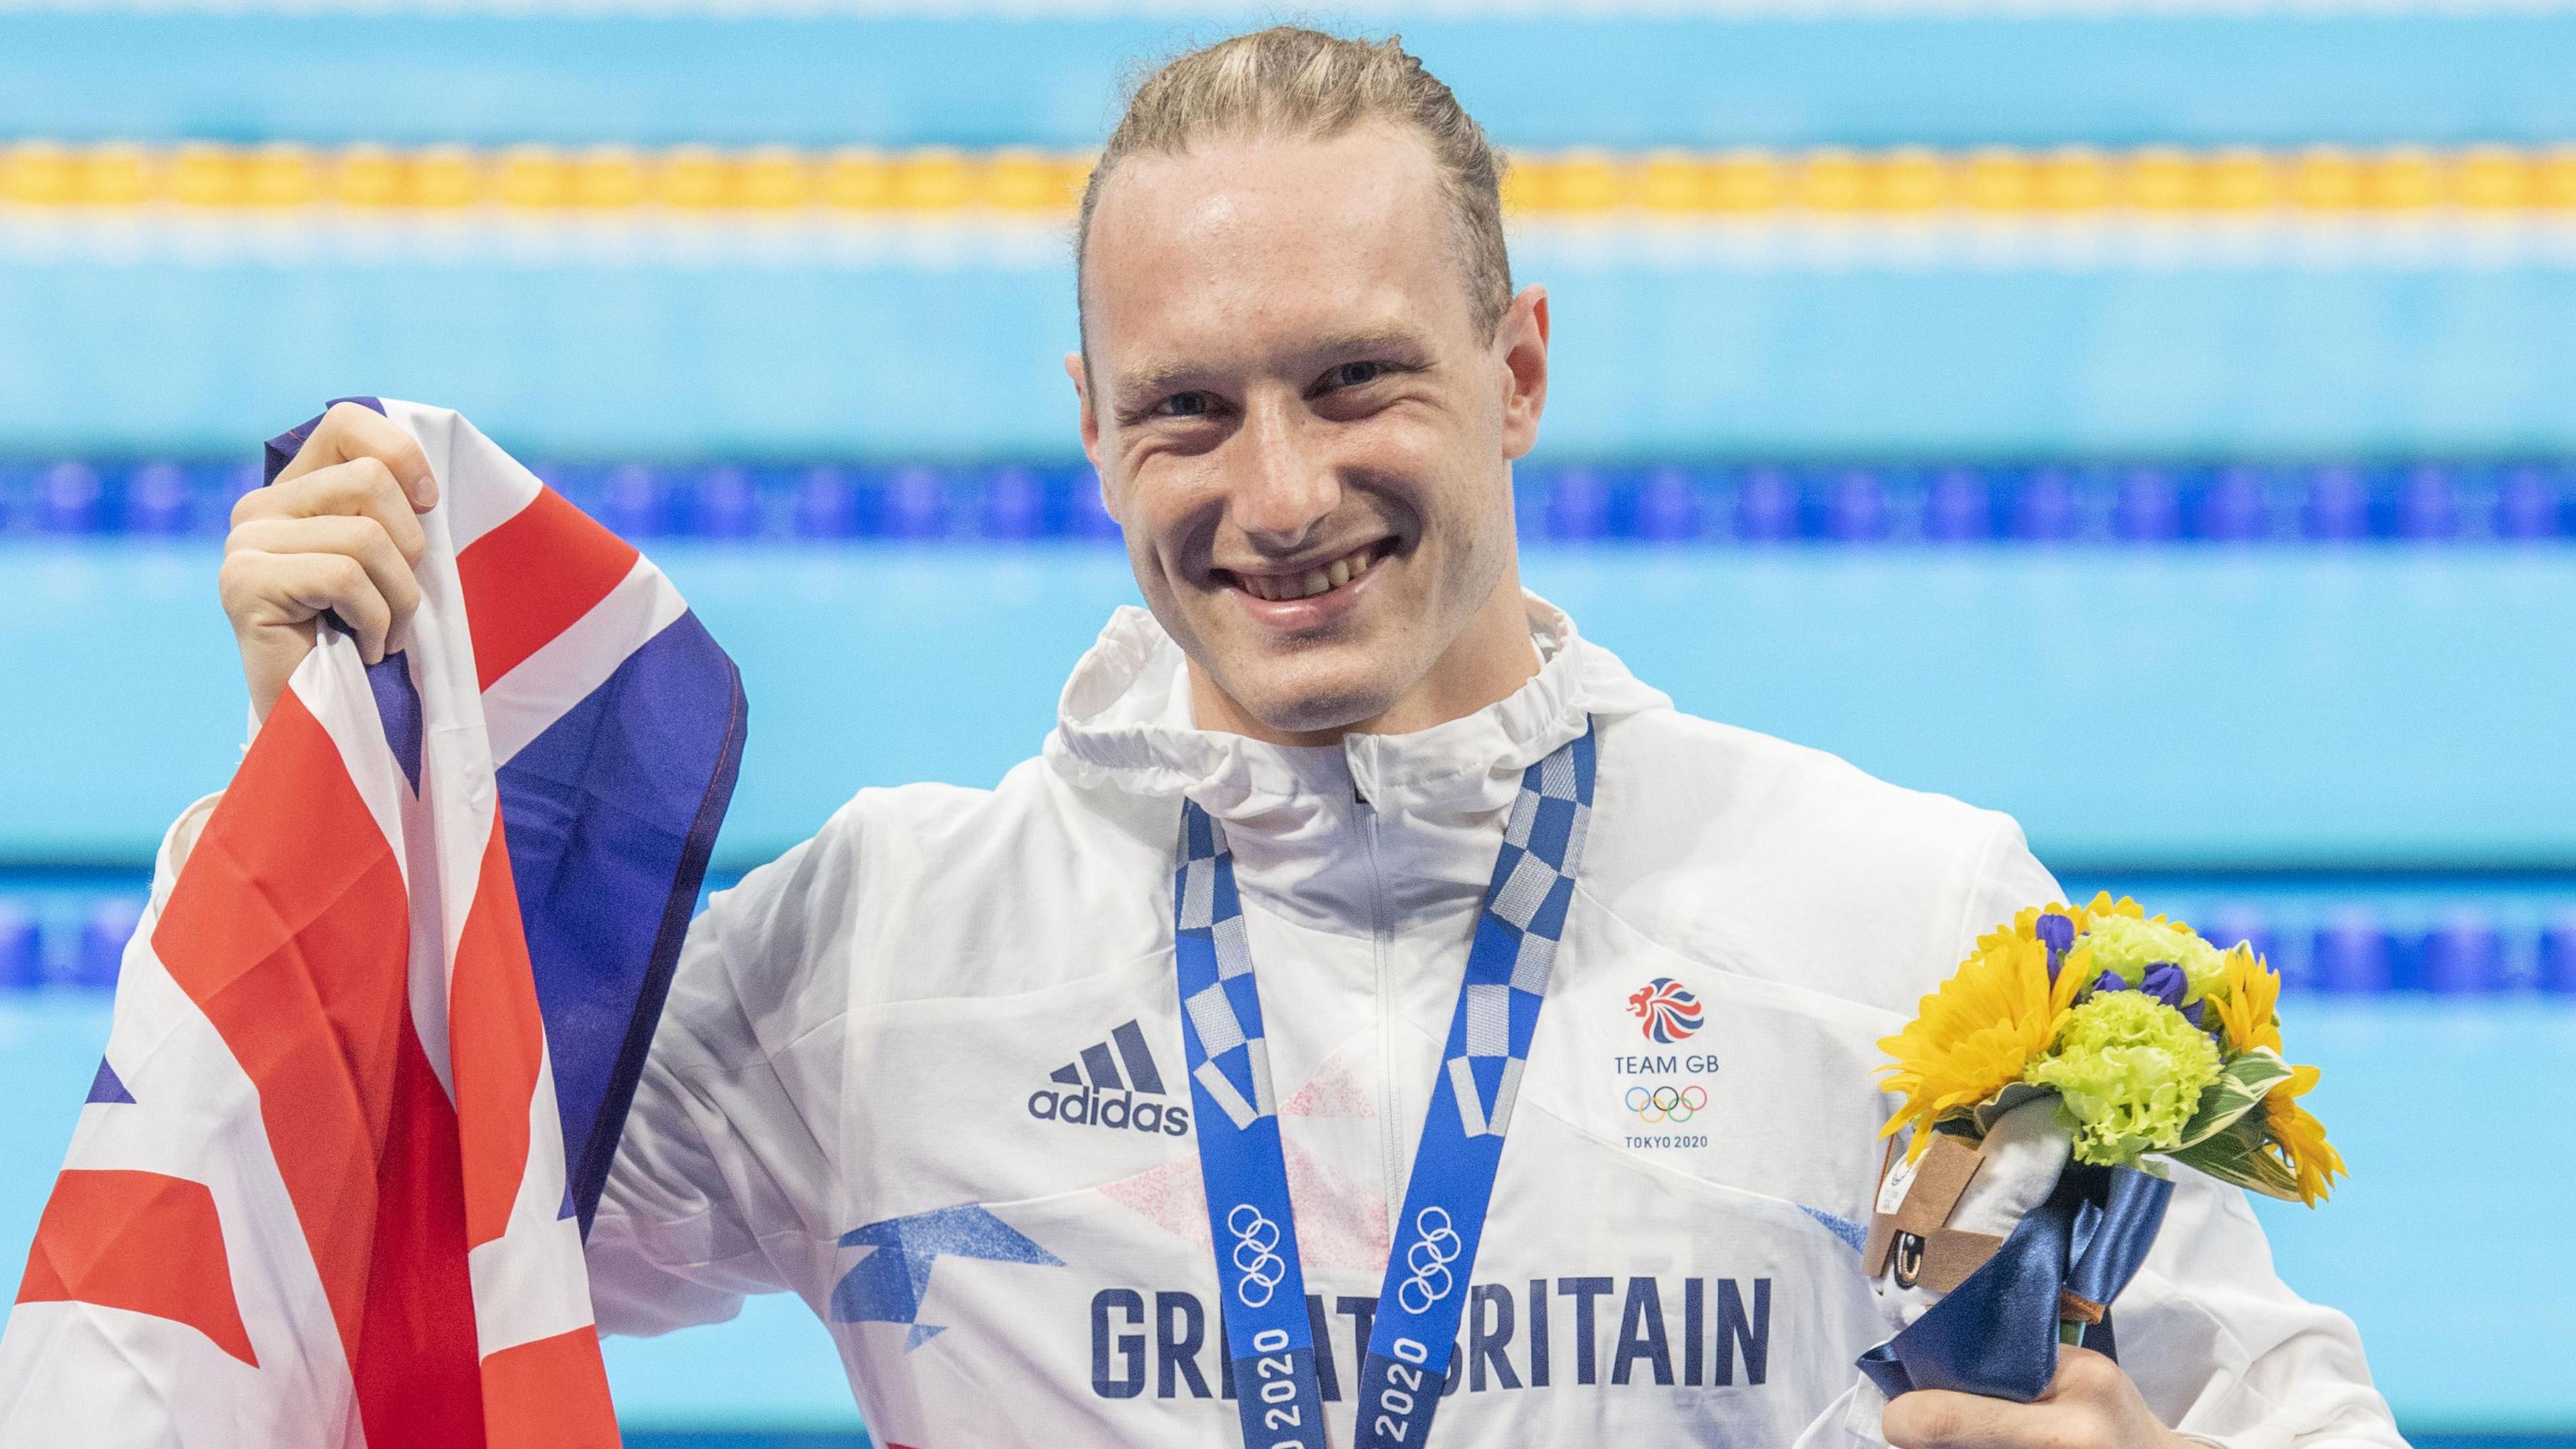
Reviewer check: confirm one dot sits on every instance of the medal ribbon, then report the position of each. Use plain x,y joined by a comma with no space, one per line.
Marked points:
1268,1337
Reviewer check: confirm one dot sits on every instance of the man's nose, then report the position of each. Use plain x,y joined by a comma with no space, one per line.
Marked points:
1284,484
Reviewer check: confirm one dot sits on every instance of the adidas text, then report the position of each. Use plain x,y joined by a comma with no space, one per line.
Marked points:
1118,1111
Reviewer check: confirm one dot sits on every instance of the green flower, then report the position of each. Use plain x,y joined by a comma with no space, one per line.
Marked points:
2129,946
2130,1071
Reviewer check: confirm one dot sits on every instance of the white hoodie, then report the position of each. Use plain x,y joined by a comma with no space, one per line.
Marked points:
904,1073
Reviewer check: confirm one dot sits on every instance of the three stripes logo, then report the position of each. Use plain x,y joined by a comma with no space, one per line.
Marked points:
1113,1084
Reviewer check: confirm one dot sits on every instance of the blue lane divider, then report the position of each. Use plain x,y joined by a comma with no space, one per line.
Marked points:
1742,503
78,948
2352,949
2353,952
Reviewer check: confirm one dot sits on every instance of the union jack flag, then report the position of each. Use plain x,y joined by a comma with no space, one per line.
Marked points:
373,1042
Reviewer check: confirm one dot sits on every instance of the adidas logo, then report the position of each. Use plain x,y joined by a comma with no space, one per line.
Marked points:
1113,1084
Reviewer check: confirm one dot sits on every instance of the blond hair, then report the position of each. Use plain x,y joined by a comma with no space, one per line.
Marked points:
1292,81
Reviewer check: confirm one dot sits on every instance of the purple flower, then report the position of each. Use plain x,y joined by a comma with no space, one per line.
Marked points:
2165,981
2058,933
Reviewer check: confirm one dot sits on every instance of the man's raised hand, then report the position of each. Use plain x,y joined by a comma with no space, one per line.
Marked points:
335,532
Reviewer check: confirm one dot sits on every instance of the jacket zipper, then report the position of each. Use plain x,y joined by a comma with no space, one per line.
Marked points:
1390,1146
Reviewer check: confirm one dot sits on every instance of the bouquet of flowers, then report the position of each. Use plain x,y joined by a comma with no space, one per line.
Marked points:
2047,1084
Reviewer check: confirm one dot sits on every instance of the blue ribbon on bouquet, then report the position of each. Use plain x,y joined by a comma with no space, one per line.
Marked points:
1997,1332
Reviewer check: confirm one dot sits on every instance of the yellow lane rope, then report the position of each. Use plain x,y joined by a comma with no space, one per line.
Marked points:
934,180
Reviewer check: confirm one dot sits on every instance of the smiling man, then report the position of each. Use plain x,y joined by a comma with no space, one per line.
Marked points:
1376,1001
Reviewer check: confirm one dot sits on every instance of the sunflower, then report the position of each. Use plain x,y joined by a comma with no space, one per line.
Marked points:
2247,1003
2299,1139
2103,908
1974,1036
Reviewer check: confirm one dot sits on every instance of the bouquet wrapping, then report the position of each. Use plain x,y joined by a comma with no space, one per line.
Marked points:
2047,1086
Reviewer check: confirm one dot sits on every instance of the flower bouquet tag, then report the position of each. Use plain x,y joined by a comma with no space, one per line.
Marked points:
2048,1084
1891,1188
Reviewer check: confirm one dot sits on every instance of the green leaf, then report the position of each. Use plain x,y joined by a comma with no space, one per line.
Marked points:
2235,1154
2240,1088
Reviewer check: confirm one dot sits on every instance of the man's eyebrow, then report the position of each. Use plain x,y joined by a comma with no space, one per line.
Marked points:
1152,379
1403,343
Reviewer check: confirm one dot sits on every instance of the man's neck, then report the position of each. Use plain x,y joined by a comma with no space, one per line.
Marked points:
1490,658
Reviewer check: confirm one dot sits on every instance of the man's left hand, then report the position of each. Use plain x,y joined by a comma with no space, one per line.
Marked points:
2091,1405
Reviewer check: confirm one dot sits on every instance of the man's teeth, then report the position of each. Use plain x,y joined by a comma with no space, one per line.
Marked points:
1320,580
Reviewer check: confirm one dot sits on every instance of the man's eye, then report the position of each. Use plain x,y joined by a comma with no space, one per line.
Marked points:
1354,374
1186,405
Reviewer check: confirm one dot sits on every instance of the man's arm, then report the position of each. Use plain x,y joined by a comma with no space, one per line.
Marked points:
670,1245
726,1176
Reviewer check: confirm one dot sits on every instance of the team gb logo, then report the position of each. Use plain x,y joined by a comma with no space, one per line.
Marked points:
1668,1013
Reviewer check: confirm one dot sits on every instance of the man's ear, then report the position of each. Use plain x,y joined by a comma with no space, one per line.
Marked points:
1522,340
1076,369
1080,372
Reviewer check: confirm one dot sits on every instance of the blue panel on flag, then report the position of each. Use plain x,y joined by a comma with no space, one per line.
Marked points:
398,705
610,815
107,1086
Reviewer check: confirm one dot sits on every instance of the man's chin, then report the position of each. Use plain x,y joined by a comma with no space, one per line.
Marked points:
1295,696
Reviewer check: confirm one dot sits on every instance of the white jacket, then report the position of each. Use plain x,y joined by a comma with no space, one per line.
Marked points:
903,1073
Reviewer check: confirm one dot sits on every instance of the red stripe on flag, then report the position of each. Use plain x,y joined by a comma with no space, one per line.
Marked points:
288,928
496,1038
551,1393
415,1371
141,1241
530,578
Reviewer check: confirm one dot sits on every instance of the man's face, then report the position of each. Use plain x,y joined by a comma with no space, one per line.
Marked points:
1296,419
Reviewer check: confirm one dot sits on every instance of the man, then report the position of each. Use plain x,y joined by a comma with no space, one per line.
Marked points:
932,1070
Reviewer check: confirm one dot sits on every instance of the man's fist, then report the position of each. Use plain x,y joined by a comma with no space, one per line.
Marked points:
2091,1405
335,532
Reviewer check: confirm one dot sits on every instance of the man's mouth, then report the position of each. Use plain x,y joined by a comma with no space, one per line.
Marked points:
1313,580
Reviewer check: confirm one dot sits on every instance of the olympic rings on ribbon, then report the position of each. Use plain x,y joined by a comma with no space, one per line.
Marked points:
1256,1243
1668,1103
1436,1247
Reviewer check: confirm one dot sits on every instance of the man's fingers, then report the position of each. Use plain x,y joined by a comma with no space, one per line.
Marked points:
361,487
349,432
266,592
361,538
1939,1419
2090,1404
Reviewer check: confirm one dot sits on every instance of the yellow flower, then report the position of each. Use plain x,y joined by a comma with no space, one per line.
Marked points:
2299,1139
1972,1038
2247,1005
2103,908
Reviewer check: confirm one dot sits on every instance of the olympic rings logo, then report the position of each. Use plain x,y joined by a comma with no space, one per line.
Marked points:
1435,1247
1256,1255
1667,1103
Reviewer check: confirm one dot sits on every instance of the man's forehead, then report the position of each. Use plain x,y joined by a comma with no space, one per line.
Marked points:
1347,235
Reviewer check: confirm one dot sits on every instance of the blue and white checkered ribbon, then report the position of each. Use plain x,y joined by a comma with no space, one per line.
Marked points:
1268,1333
